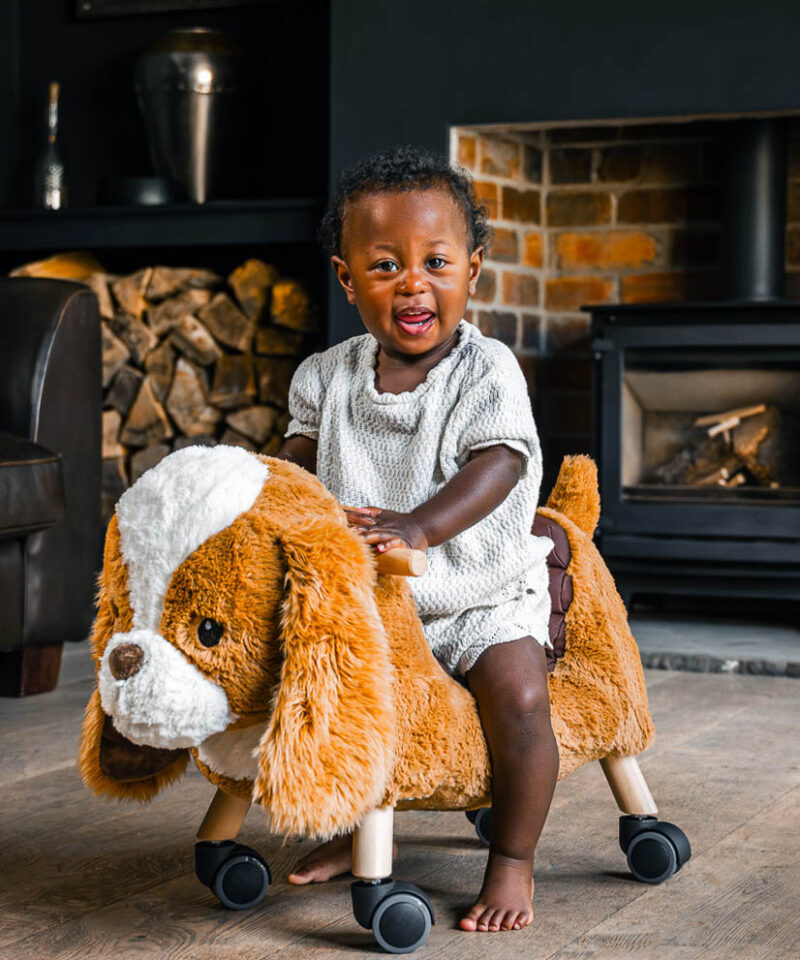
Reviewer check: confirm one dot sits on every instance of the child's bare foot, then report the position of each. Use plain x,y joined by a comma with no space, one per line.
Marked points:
506,898
327,861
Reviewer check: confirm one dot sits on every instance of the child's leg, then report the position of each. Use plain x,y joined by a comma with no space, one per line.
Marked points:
509,681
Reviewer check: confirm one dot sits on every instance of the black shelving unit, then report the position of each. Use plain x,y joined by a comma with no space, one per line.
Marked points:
217,223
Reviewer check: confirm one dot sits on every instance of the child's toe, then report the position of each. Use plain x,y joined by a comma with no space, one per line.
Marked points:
509,920
498,918
470,920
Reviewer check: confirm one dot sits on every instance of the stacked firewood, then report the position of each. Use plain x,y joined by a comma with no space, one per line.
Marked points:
728,449
191,357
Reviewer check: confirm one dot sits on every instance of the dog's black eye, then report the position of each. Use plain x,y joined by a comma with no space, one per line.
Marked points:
209,632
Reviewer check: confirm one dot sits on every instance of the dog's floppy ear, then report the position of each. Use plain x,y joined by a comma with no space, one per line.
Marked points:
109,763
114,766
326,755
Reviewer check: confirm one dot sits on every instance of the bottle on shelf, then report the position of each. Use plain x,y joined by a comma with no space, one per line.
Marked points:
51,187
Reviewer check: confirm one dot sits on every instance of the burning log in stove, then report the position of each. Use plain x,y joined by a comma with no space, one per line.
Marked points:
731,448
190,357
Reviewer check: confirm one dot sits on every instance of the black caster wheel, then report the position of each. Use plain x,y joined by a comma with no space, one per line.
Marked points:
401,923
482,821
237,875
399,914
655,849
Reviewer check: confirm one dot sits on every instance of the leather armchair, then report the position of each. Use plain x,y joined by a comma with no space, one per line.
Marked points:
50,449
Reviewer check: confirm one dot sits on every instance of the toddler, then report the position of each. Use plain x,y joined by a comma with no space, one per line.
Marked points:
423,427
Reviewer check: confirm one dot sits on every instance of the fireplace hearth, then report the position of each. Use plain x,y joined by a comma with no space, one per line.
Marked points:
674,448
683,234
684,512
697,409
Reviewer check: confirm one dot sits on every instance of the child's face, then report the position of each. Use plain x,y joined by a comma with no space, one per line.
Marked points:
407,267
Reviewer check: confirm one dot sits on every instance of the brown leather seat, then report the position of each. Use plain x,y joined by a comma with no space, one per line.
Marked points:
31,487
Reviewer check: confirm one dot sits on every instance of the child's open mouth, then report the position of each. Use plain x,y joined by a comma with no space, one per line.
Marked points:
415,322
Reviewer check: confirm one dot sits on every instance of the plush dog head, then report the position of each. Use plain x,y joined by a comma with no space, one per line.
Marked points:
235,597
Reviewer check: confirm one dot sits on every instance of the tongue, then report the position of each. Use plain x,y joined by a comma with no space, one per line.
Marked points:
415,318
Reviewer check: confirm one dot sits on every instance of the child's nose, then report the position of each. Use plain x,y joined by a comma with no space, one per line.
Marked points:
411,280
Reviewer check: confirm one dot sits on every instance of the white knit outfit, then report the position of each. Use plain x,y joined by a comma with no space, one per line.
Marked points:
489,584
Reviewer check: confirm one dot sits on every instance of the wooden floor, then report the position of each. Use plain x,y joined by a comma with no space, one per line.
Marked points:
81,878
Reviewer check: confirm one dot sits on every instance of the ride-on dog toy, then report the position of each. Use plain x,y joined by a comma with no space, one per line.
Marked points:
241,622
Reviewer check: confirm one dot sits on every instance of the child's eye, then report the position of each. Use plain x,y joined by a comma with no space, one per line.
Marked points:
386,266
436,263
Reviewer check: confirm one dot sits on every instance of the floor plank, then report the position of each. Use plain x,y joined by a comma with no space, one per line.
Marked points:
84,878
739,900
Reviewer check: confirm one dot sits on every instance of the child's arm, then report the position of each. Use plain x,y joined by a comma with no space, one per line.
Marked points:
478,488
300,450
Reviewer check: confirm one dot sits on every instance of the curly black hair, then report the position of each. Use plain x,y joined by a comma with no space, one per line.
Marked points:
404,168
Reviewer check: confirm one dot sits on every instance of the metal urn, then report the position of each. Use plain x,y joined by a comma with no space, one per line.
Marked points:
189,86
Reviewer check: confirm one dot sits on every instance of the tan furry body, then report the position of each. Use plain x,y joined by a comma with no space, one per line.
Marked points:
333,660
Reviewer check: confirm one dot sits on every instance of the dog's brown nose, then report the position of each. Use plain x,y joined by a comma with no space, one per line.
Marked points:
125,660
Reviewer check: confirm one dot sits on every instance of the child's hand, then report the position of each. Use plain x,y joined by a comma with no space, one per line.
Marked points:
386,529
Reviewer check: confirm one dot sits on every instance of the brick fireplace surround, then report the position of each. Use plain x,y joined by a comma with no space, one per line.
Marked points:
588,215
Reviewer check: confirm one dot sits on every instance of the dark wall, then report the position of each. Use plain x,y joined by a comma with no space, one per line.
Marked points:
284,148
406,72
9,95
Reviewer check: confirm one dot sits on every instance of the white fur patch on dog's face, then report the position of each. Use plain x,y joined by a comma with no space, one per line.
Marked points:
163,518
168,702
175,507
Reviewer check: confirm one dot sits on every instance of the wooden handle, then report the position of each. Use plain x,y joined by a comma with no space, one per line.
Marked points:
402,562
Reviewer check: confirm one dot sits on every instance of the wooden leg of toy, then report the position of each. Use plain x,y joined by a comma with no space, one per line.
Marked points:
399,914
372,845
224,818
628,786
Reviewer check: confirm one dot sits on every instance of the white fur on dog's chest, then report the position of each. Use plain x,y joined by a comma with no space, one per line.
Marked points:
231,753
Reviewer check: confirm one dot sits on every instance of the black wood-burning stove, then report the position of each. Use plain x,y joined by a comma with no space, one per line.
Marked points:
697,412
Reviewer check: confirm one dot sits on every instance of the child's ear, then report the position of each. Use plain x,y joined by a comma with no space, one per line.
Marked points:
475,264
344,277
